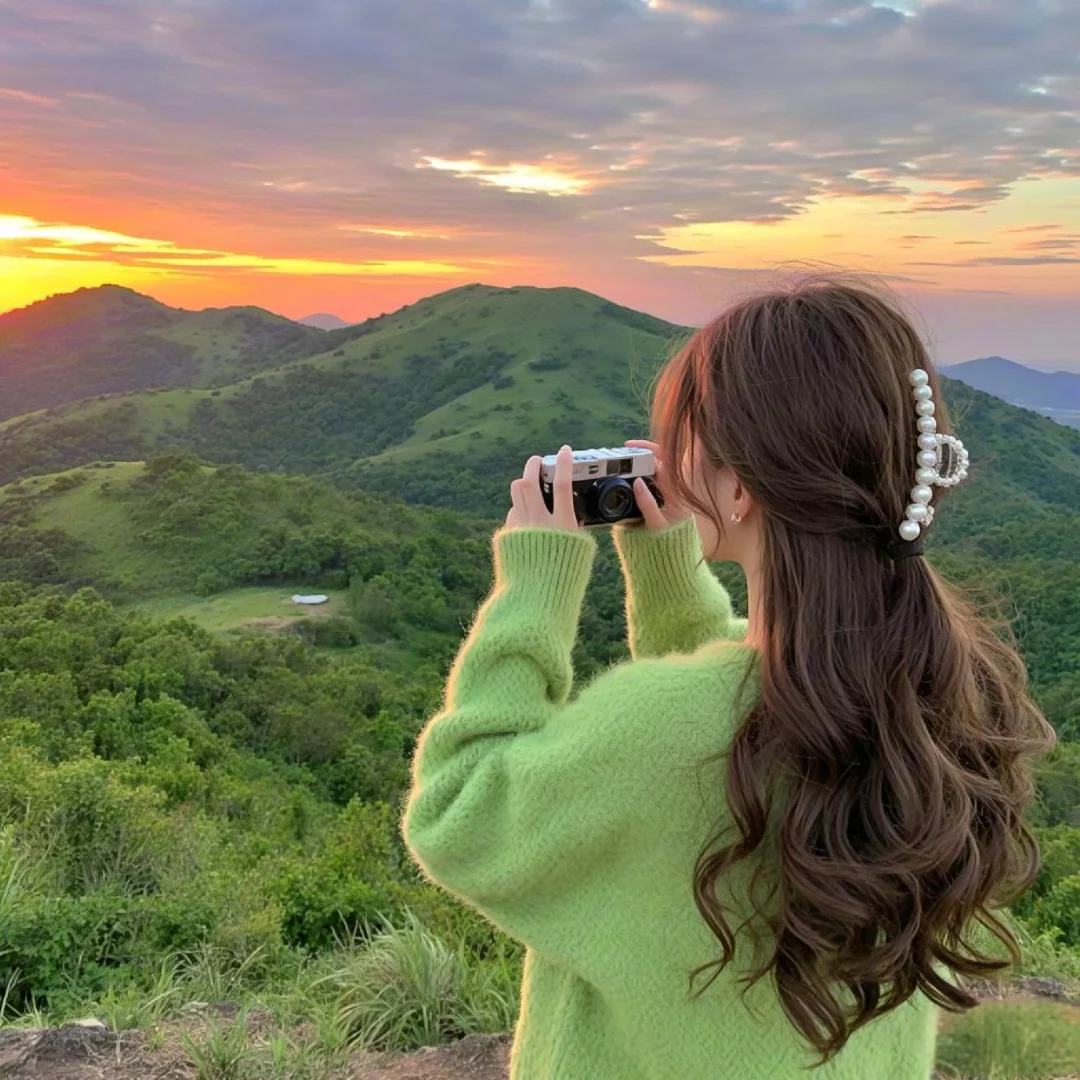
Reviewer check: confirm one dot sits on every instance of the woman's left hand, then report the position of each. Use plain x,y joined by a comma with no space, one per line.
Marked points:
529,511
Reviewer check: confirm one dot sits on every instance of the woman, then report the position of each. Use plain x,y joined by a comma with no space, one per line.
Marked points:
761,845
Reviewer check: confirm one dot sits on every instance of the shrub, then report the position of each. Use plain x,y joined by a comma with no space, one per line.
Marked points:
549,363
68,481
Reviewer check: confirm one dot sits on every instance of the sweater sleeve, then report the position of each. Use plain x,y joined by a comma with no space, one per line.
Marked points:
518,795
674,602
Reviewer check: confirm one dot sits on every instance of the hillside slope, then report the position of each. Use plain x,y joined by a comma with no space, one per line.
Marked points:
441,402
228,547
111,339
470,379
140,530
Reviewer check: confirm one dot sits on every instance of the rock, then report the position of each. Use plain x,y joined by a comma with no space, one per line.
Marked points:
1042,987
90,1022
39,1052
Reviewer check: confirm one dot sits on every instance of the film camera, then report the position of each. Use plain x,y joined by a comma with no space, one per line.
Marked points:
603,484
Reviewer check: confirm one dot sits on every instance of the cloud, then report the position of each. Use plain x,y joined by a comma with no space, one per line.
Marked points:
1011,260
1035,228
547,126
23,235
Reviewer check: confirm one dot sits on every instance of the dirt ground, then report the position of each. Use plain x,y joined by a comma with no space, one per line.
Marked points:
95,1053
90,1051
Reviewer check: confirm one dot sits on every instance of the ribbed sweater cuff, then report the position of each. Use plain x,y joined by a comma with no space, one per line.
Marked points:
548,567
661,564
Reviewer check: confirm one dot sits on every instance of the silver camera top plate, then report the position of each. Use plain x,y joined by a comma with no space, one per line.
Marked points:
627,461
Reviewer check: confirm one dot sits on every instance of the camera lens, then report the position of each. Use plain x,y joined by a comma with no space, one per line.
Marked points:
614,500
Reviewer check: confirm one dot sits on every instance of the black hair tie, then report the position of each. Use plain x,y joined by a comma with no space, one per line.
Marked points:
905,549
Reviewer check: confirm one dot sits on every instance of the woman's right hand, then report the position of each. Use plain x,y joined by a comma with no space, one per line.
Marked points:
655,517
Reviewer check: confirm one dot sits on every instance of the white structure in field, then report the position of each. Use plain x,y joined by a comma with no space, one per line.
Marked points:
319,599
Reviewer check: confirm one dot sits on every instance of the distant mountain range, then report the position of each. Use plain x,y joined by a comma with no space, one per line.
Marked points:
1055,394
324,321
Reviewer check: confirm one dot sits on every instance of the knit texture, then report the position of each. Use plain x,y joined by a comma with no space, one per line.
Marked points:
574,825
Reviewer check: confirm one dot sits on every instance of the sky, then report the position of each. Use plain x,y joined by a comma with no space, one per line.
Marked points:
352,156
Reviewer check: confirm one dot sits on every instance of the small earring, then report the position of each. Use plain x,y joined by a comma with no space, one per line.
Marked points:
736,517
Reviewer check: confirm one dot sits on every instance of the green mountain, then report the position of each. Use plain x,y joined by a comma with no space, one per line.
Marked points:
111,339
469,380
441,401
1055,394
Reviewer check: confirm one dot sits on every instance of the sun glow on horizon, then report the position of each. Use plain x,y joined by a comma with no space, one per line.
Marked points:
39,259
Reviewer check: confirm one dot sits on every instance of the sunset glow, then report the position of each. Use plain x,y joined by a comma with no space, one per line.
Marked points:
664,153
38,259
534,179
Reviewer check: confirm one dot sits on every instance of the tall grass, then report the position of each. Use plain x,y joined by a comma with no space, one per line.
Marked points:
408,988
223,1053
400,987
1011,1041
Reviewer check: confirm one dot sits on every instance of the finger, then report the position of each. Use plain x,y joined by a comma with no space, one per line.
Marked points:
516,516
530,489
651,513
564,488
659,476
647,444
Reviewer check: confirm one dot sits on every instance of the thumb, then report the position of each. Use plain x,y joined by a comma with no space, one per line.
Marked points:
652,514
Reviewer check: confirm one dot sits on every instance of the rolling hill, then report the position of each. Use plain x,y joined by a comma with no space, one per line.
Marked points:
441,401
468,380
1055,394
110,339
175,525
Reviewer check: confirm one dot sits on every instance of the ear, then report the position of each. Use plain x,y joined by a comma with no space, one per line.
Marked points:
742,498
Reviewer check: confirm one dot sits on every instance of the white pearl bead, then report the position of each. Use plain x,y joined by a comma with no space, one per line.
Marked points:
927,423
916,512
918,377
927,458
928,442
926,476
925,408
921,494
923,393
910,530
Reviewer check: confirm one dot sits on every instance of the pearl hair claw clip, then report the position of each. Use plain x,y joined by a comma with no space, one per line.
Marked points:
942,460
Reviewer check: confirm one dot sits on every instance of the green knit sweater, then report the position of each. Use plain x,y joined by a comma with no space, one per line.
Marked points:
574,825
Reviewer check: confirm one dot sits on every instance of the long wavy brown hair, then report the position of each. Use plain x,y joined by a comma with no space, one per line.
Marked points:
884,766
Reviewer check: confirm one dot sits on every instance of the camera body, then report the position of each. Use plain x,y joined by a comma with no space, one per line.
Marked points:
603,484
